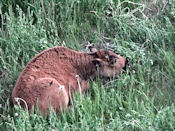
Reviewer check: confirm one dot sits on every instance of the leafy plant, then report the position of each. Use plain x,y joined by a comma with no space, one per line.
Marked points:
142,98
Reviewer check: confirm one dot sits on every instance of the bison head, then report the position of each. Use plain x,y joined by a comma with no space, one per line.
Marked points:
108,63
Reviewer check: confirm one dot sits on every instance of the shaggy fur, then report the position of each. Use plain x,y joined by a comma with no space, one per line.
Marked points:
53,75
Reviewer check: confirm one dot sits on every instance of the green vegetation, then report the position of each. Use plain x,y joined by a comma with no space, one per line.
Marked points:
144,32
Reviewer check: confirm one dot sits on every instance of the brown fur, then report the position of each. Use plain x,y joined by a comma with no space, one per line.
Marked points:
53,75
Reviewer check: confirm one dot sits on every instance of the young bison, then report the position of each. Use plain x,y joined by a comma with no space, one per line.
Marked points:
54,75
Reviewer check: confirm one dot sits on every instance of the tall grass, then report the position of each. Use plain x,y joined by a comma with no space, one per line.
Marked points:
140,99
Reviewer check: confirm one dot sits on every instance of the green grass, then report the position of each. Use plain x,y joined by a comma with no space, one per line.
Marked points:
140,99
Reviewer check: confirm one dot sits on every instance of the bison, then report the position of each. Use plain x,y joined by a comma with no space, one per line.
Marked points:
54,75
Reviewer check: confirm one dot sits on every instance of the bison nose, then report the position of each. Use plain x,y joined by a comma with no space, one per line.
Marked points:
126,65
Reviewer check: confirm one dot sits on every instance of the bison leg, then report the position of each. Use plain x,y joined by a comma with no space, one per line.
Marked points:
84,86
51,93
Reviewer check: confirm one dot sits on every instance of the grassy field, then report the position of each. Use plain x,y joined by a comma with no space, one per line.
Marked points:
143,98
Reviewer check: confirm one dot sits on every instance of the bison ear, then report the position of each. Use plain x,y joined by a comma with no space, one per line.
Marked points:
97,62
92,48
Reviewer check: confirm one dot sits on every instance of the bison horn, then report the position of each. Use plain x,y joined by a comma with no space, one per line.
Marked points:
92,48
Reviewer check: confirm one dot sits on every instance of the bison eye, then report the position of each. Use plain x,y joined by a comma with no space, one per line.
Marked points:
112,59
